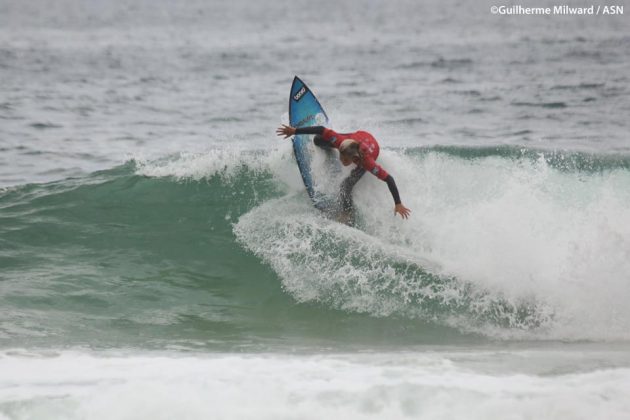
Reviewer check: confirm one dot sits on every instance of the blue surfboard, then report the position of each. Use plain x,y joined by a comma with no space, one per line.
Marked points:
319,172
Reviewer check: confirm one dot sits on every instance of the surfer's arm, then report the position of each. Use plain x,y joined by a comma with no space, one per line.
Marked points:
399,206
370,164
377,170
391,184
288,131
324,134
318,129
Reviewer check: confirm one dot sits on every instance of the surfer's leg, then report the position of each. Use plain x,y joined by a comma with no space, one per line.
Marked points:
345,193
319,141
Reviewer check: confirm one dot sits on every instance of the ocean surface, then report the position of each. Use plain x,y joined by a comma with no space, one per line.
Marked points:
160,259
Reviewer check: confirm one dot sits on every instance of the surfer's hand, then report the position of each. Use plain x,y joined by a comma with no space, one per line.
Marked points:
402,210
285,130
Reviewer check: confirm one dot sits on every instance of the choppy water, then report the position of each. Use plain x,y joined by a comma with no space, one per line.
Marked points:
159,257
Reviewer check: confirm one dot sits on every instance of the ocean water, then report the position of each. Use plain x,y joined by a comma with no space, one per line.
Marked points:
159,257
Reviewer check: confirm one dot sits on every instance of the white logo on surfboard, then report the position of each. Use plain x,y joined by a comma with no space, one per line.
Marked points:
300,93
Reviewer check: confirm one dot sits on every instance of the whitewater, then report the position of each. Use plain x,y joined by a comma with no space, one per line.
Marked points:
159,257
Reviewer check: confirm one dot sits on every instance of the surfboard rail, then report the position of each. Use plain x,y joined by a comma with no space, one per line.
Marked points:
306,111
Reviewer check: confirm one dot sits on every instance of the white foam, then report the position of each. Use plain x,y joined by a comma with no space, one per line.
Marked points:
512,231
518,231
196,166
524,229
226,163
78,385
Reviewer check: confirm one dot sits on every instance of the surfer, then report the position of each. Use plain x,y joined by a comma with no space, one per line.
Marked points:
360,148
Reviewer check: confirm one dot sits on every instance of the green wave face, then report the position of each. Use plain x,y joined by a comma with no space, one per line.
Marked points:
225,251
124,258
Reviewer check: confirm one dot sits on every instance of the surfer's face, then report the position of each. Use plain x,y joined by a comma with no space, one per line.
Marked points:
347,160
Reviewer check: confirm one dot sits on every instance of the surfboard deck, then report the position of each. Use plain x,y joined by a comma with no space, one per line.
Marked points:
320,169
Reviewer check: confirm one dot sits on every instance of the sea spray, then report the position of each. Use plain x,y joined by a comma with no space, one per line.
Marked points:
509,243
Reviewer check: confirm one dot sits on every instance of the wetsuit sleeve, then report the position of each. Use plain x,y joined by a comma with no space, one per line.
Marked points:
329,135
391,184
369,164
377,170
326,134
318,129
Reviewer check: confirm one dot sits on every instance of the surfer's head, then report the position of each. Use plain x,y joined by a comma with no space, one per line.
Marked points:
349,152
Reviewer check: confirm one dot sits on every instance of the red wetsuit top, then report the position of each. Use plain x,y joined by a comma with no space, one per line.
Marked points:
367,145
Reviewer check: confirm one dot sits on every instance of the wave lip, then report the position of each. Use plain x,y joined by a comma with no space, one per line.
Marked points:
504,243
